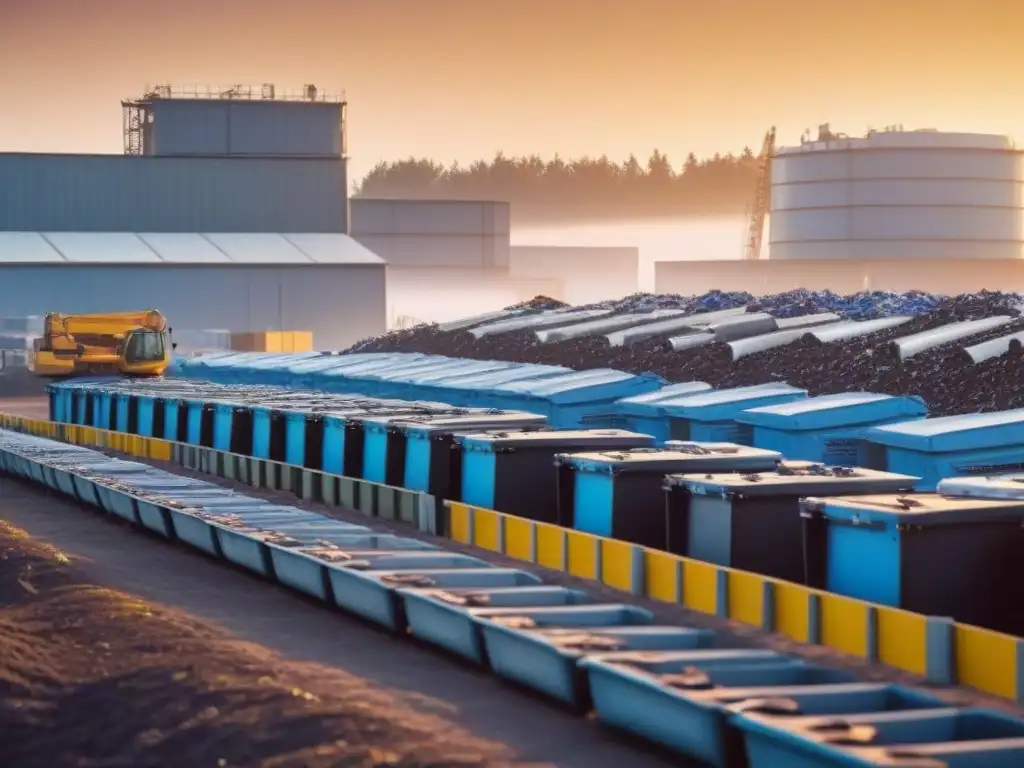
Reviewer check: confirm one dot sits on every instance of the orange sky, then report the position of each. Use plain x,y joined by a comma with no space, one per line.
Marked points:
464,78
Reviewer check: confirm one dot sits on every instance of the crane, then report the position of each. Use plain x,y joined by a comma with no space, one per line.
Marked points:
755,233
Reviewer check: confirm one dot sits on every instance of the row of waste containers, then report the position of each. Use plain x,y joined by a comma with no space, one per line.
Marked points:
872,537
678,686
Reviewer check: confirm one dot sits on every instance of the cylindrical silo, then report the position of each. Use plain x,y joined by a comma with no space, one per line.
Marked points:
898,195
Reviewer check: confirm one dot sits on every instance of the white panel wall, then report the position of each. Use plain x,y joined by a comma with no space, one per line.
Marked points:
438,233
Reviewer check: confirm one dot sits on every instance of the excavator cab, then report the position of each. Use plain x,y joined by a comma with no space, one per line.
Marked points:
144,346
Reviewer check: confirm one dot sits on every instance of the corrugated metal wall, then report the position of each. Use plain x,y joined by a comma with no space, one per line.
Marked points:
434,233
339,304
117,193
262,128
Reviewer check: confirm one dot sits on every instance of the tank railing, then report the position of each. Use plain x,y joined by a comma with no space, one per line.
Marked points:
265,92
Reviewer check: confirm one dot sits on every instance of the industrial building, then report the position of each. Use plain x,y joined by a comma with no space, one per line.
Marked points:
228,209
450,258
895,210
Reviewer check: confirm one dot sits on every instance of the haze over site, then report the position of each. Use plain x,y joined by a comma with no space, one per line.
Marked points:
463,79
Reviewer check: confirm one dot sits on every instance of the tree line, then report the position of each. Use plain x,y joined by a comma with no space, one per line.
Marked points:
560,188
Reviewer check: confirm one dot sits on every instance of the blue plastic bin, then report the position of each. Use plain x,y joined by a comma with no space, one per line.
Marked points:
751,521
619,494
302,567
680,700
710,417
642,413
515,472
365,585
943,737
433,463
828,428
950,446
542,647
926,553
445,616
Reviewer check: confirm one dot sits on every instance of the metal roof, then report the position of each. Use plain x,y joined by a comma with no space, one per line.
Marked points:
183,248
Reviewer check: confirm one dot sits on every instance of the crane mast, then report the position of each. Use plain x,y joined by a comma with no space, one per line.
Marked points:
755,233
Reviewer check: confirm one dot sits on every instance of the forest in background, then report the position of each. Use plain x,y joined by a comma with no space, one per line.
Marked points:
565,190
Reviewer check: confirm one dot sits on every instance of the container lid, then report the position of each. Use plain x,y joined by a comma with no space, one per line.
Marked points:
914,509
558,440
996,487
971,431
794,478
467,368
724,404
831,411
589,386
487,381
369,366
478,421
681,457
648,402
376,422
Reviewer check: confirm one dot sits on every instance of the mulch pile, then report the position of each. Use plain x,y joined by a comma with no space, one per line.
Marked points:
948,381
93,677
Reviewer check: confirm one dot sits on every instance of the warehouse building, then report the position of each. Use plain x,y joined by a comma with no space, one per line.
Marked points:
228,209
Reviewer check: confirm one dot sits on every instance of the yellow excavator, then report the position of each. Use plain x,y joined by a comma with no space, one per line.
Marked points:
125,343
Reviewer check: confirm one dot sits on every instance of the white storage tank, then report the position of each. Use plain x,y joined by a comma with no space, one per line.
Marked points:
897,194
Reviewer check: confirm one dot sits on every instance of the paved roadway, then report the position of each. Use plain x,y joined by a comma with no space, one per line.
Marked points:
122,558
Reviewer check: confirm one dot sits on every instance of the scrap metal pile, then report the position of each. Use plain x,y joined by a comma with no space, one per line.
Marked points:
953,377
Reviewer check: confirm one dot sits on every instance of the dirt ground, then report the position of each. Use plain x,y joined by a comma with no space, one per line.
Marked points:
90,676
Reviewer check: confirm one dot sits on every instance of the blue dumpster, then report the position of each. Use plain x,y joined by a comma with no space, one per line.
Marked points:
350,379
574,400
950,446
618,494
710,417
432,462
384,448
751,521
515,472
828,428
642,413
478,389
430,385
922,552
